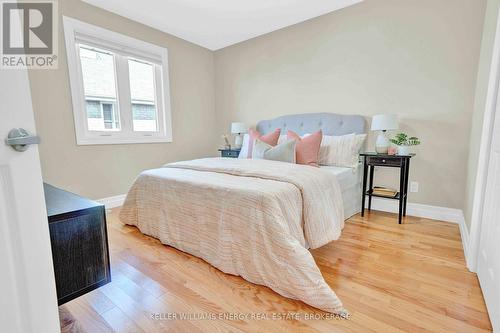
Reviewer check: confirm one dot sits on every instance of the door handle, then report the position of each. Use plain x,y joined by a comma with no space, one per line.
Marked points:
19,139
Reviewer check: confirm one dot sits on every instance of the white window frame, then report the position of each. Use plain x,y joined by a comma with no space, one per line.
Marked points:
123,46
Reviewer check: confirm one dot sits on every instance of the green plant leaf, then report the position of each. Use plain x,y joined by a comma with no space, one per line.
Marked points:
396,142
400,139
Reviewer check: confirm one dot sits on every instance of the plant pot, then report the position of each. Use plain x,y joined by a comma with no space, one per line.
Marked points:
403,150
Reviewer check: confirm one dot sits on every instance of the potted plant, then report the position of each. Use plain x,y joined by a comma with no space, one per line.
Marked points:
404,143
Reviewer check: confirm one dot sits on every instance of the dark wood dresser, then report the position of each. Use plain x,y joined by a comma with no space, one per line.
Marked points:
79,243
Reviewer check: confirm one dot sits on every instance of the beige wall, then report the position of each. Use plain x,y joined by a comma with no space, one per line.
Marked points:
416,58
107,170
490,25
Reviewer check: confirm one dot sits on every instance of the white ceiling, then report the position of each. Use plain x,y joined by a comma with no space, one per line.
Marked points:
215,24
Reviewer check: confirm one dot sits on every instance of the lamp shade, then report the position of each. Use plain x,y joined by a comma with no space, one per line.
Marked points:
384,122
237,128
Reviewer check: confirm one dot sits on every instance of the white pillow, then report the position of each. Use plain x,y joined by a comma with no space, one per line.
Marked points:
282,138
244,146
341,151
360,141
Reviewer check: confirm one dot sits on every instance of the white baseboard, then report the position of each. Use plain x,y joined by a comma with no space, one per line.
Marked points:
451,215
426,211
112,202
464,234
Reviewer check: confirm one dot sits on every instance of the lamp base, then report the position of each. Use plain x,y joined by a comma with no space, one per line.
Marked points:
238,140
382,144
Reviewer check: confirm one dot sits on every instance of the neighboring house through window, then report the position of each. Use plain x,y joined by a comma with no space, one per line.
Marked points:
119,86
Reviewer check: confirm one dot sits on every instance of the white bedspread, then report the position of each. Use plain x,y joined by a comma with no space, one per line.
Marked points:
246,217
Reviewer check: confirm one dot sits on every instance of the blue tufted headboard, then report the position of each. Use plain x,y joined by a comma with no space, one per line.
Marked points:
330,123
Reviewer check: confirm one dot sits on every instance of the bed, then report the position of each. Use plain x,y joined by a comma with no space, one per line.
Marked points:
331,124
350,181
253,218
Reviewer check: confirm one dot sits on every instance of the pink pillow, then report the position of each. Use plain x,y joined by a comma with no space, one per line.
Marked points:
307,149
270,139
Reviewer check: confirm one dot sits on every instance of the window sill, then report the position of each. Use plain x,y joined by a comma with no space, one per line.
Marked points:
121,141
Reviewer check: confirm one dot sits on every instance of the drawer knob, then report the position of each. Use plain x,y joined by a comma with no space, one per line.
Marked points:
383,161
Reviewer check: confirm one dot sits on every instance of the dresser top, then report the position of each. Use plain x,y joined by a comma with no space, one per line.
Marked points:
61,202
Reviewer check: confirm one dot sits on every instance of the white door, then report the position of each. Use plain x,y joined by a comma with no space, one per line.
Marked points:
28,301
488,268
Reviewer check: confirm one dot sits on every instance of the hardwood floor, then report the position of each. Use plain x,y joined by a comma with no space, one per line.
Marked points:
392,278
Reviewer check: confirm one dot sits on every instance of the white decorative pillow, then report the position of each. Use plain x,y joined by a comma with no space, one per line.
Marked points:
284,152
341,151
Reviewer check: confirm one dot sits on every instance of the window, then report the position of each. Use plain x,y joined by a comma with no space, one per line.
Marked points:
99,87
119,87
142,90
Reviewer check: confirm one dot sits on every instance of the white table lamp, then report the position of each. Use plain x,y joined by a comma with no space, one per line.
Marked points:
383,123
238,129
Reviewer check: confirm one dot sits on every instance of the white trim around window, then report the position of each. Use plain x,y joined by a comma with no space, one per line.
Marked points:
123,48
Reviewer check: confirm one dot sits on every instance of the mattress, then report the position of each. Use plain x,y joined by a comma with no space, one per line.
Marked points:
350,180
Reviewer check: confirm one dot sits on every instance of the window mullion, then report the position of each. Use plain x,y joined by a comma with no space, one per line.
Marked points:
160,113
125,105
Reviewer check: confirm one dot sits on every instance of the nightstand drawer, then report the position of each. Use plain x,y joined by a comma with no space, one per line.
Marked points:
229,153
388,161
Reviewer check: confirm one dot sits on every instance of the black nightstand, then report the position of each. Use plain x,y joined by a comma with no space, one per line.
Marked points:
371,160
229,152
